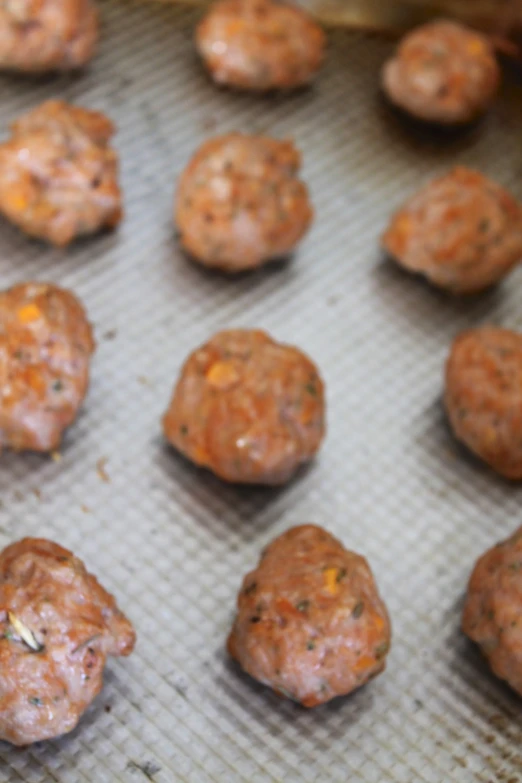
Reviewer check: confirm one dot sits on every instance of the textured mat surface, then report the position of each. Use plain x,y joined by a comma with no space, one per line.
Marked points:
172,542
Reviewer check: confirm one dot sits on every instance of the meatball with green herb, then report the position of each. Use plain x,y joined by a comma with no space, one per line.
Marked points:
483,396
240,202
46,344
462,231
57,627
492,614
310,622
249,409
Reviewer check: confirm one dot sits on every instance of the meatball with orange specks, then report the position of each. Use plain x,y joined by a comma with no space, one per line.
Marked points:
46,343
57,627
462,231
58,174
240,202
443,73
249,409
260,45
310,622
483,396
37,36
492,614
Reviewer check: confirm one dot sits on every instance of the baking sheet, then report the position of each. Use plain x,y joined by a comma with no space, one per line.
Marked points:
171,541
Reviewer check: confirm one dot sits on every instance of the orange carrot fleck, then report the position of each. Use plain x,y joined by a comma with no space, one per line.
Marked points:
364,662
222,374
29,312
331,576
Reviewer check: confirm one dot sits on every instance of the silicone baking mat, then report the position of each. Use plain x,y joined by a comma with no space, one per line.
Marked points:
171,541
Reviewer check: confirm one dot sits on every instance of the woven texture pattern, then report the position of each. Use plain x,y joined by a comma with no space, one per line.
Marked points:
173,542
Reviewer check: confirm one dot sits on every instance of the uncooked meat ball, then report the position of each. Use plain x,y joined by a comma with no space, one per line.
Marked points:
443,73
240,202
483,396
493,609
260,45
310,622
46,344
37,36
58,174
57,627
462,231
248,408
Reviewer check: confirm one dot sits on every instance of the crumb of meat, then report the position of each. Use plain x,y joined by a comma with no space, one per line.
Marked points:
100,469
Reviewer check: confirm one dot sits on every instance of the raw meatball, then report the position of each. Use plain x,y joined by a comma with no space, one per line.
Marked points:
240,203
483,396
58,176
310,622
492,612
248,408
462,231
443,73
57,627
47,35
45,346
260,45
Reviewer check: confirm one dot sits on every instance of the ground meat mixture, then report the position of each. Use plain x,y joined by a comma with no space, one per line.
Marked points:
260,45
462,231
310,623
58,176
47,35
57,627
492,612
483,396
248,408
443,73
45,346
240,203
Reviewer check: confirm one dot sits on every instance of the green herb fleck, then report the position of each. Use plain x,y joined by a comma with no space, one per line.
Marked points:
358,609
484,225
58,385
310,645
310,388
381,650
251,588
18,354
341,573
302,606
35,701
8,634
183,429
491,614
